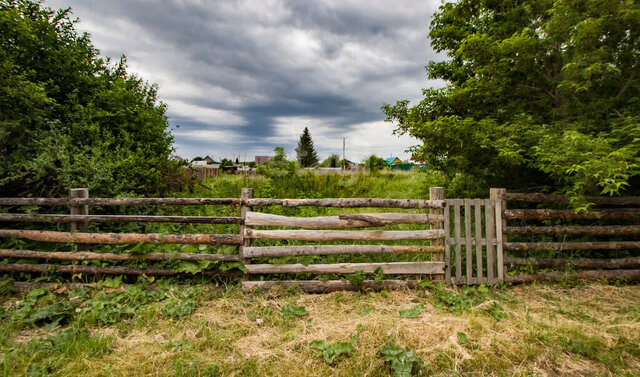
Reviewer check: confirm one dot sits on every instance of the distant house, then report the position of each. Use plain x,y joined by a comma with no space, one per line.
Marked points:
208,159
261,160
393,161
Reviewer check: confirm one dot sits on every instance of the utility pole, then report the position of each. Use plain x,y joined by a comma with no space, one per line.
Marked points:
343,158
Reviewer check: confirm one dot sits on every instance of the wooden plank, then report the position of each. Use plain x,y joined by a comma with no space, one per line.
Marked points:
609,263
467,238
447,246
477,203
112,270
299,250
345,235
563,199
54,218
458,240
339,222
609,230
569,214
610,245
315,286
85,255
499,246
397,268
490,235
348,203
632,275
118,201
123,238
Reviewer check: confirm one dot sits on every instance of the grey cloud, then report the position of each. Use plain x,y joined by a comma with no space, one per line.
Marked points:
333,61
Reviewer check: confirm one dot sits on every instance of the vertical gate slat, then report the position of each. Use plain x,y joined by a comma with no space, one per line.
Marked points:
456,213
478,219
499,251
447,245
467,237
490,232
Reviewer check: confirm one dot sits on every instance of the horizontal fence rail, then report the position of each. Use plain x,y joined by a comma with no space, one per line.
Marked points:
54,218
395,268
347,203
301,250
563,199
85,255
570,214
623,267
362,220
123,238
339,235
118,201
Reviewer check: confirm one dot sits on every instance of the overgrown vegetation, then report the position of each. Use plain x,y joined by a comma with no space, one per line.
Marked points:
116,330
70,118
539,93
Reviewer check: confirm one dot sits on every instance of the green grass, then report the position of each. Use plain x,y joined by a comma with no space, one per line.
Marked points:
338,334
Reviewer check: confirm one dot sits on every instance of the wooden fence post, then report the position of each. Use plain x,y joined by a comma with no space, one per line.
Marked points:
82,193
247,193
498,195
437,193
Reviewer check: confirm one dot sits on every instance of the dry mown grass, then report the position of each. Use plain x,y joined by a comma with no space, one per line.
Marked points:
549,330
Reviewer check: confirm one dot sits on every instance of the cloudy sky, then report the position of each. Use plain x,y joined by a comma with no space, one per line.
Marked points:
242,77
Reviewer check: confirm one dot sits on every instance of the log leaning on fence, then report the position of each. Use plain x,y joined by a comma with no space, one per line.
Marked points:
338,235
67,255
586,275
314,286
292,251
616,263
348,202
550,198
397,268
123,238
611,230
112,270
50,218
569,214
341,221
612,245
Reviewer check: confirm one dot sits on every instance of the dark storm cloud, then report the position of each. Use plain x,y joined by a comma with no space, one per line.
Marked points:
245,76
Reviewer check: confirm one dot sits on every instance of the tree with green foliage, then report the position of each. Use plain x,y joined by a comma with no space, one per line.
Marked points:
69,118
374,163
280,155
540,93
332,161
305,152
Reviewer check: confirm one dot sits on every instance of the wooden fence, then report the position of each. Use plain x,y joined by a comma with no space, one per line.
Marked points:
314,229
466,238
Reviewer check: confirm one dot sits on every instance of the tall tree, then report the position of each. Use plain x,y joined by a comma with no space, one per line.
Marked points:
305,151
539,93
69,117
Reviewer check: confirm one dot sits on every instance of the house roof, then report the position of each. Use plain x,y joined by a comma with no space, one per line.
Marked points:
391,160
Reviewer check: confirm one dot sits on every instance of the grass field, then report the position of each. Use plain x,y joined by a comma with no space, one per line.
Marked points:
555,329
205,330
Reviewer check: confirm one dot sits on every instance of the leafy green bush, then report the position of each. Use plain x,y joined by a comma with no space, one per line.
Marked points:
400,360
330,352
71,118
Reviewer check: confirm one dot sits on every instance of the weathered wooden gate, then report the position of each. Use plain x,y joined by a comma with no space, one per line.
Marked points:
473,240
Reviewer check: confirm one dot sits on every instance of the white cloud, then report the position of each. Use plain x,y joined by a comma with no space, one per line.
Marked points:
204,115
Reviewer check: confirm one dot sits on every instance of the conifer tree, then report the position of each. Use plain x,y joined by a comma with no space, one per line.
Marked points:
306,153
